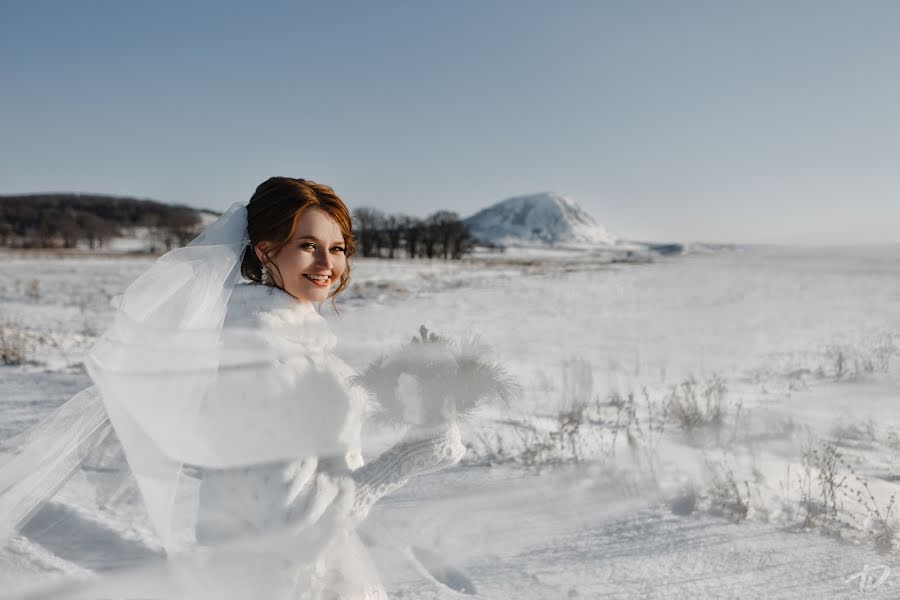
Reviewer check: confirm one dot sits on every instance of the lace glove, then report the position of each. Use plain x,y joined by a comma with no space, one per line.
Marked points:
422,450
321,487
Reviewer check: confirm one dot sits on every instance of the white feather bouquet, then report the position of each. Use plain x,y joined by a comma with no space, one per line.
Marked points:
433,380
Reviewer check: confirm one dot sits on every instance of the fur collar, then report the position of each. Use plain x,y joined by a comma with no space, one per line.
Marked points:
257,306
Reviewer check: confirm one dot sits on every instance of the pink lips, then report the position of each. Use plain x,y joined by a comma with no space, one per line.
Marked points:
323,283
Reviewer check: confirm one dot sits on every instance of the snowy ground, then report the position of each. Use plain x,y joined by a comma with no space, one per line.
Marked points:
674,427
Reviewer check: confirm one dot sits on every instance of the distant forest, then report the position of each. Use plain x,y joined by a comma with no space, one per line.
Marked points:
64,220
67,220
439,235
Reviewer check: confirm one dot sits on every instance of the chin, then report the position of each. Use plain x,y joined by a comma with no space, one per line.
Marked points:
307,297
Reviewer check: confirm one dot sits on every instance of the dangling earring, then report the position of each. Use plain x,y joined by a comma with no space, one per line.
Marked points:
264,275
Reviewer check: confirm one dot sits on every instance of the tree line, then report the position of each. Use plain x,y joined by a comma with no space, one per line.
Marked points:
64,220
439,235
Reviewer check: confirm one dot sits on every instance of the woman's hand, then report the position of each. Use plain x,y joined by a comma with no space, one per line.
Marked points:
352,494
422,450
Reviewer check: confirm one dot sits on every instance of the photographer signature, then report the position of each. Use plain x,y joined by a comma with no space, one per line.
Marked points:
870,577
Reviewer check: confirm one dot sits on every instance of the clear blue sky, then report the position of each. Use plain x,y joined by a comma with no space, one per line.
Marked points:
669,120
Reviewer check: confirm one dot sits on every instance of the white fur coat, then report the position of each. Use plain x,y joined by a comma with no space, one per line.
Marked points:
255,498
242,500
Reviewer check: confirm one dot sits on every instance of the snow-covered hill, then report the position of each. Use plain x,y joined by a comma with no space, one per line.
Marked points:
547,218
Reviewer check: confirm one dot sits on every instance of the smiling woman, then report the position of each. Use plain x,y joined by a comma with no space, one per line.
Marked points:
302,238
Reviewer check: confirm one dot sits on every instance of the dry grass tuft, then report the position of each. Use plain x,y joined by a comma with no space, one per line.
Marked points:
12,344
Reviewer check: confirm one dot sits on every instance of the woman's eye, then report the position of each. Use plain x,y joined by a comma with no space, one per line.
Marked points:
339,248
308,245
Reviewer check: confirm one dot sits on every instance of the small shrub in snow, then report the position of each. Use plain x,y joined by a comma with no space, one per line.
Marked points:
884,526
572,433
892,441
882,523
822,484
540,442
850,361
580,433
730,497
698,406
641,437
12,345
835,497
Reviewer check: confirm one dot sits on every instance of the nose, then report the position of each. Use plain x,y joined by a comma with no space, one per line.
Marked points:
323,258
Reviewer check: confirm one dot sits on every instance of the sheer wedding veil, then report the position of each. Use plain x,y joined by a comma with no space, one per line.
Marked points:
172,393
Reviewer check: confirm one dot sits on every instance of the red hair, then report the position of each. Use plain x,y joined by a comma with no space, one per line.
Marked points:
274,211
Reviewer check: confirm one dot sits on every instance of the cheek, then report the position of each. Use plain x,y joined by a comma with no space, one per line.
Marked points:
340,265
295,263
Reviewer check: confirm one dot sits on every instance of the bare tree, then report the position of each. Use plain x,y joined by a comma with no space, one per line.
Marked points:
446,235
182,225
95,229
412,232
66,227
368,221
6,233
393,230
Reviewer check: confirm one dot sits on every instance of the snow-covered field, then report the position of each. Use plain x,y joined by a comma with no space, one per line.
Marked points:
714,425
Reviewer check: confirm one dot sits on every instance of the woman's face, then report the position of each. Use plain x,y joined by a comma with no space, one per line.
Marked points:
313,260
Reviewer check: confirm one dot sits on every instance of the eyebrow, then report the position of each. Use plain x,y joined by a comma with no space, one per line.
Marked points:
315,239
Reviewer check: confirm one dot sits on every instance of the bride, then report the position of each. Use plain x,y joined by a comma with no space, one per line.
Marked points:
219,378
